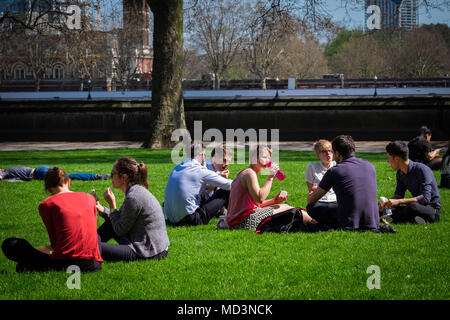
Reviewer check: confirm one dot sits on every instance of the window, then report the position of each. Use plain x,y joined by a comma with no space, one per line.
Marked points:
58,72
19,72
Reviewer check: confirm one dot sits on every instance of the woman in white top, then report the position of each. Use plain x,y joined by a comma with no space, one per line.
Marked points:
323,211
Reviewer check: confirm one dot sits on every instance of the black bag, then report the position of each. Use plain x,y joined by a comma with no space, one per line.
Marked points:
287,221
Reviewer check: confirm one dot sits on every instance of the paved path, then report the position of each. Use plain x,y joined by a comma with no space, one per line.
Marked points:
361,146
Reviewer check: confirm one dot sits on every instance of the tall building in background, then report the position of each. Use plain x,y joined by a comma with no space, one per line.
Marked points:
380,15
390,15
409,14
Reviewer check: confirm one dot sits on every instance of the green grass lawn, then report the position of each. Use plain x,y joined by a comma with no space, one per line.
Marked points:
206,263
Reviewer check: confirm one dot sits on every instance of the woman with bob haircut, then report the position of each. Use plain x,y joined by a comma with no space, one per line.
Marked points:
71,222
138,225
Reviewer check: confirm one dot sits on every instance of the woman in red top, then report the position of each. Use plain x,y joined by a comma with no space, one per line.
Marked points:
71,222
248,206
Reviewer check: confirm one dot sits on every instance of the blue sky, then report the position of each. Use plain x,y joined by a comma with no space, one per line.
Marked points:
356,18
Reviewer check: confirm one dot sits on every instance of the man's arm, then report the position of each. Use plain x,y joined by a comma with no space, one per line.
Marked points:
391,203
325,185
315,195
213,179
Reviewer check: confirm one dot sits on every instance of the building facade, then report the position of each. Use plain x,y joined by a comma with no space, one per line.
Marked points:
409,14
390,15
86,53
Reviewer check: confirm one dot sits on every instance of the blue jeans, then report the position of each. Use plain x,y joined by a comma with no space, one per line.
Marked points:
39,174
82,176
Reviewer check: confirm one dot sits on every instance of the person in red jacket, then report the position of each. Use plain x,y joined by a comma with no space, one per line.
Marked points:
71,222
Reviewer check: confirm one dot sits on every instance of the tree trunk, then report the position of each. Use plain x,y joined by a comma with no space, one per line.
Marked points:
167,95
263,83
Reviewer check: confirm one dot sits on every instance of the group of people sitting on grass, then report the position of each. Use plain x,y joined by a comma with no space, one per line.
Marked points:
342,196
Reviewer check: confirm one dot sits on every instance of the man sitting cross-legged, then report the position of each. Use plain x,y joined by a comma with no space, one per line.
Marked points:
425,204
184,203
354,182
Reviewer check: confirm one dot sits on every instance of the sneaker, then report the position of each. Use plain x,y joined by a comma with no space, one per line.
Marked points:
419,220
102,177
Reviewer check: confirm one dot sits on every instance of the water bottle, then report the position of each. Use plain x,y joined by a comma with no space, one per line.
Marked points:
387,212
280,174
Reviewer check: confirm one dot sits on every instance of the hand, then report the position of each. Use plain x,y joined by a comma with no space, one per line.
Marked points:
273,169
391,203
279,199
109,197
225,173
380,206
100,208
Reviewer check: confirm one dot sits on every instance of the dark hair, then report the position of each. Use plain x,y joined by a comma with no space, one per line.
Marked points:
424,130
136,172
398,148
344,145
55,177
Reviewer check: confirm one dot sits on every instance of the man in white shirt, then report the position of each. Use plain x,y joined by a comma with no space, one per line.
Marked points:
184,202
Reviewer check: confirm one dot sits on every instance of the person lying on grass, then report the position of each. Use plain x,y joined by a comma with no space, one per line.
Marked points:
248,205
425,203
138,225
71,222
27,174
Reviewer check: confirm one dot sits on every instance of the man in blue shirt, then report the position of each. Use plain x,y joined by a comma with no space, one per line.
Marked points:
354,182
184,202
425,203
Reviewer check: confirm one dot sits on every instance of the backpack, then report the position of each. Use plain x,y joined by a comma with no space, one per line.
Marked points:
287,221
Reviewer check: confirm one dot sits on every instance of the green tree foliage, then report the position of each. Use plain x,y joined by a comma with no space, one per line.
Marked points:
342,38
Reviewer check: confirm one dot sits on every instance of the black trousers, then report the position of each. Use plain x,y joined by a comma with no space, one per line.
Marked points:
404,214
324,213
30,259
121,251
445,181
207,210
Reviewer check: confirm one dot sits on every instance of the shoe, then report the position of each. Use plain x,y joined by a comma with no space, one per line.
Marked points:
222,212
386,229
419,220
102,177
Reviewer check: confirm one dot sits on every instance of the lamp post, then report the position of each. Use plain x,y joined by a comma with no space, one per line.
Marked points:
375,92
89,94
276,82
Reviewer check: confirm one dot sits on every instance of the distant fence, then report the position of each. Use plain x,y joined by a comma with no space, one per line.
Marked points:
134,85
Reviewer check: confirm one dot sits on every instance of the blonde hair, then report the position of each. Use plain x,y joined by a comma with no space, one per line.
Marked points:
320,145
256,151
